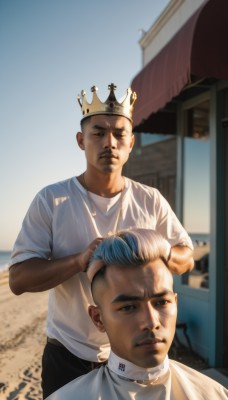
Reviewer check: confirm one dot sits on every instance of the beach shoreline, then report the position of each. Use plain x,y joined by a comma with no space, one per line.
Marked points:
22,338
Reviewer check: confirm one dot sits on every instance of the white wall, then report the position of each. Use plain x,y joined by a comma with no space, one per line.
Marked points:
166,26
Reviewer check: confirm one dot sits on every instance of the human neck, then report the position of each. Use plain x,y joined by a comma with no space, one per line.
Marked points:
105,185
127,370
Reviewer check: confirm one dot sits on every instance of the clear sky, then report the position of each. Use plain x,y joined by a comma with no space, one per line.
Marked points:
50,51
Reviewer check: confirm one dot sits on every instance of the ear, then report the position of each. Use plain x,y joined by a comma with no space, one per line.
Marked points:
176,298
80,140
95,315
132,142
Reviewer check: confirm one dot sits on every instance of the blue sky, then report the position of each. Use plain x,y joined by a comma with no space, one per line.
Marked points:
50,50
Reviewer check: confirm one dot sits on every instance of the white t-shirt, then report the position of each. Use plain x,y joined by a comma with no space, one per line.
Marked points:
179,383
59,223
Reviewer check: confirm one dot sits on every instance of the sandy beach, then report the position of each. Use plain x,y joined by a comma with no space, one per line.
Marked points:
22,338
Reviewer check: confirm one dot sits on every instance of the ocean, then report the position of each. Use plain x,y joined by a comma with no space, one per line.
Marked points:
4,260
199,237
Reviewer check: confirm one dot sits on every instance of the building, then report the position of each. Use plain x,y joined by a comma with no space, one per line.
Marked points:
181,129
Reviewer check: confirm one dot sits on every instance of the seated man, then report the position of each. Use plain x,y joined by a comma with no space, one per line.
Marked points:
137,308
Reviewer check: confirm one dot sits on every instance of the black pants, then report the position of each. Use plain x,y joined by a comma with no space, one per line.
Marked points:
60,366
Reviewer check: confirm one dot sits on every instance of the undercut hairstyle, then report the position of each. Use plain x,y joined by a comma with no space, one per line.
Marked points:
84,121
132,247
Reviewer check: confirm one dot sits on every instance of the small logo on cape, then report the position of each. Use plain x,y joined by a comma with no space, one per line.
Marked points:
121,367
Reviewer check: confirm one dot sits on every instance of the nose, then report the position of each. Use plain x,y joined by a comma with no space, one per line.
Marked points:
109,141
150,320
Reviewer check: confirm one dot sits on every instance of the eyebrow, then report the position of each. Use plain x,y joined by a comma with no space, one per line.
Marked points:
125,297
104,128
99,127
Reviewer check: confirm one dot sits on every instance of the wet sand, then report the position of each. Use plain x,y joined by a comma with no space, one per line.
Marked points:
22,338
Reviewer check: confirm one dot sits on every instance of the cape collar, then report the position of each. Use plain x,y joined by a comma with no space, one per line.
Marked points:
126,370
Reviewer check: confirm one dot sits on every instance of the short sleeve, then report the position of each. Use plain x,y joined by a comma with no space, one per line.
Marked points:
35,236
169,225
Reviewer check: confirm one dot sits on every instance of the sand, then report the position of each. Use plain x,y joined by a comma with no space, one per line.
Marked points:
22,339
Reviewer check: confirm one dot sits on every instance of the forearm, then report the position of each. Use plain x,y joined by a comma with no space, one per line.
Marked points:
180,259
37,275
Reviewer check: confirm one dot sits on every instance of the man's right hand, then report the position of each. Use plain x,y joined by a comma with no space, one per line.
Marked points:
38,274
84,256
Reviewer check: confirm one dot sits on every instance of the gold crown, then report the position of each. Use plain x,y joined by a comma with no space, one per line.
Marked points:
110,106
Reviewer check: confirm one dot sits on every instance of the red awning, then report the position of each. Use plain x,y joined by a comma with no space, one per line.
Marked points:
198,50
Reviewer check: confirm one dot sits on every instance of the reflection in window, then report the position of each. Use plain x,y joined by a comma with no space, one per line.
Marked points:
196,194
154,138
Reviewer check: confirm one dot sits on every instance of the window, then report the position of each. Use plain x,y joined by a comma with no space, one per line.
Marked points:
196,190
147,138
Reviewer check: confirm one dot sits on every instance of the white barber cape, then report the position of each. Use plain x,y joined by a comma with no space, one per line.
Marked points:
174,381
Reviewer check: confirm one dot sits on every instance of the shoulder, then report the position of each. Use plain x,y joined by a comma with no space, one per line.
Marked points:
197,381
86,387
147,194
60,189
65,184
54,193
141,187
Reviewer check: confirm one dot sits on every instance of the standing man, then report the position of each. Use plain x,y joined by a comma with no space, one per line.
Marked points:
65,223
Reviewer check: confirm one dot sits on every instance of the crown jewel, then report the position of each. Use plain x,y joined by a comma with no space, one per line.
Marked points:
111,106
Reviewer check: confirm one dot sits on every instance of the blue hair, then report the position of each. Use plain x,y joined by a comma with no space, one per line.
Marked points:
131,247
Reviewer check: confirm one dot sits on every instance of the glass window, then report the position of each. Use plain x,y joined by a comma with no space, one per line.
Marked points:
147,138
196,191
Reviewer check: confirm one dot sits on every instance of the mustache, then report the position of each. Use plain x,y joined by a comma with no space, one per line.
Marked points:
108,152
148,337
